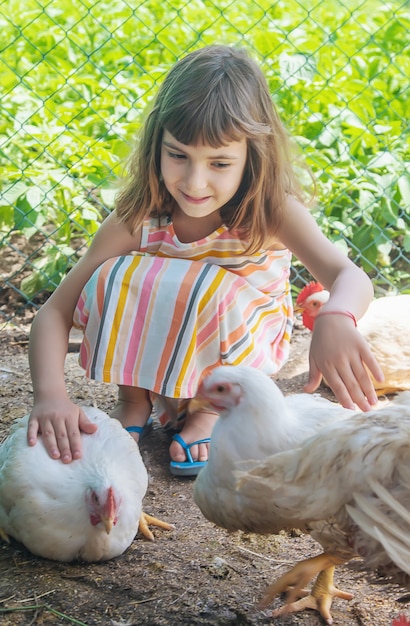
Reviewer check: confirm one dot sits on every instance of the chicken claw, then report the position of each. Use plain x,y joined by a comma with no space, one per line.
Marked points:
146,519
323,591
4,536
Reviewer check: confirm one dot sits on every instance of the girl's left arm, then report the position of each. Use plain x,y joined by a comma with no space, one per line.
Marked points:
338,351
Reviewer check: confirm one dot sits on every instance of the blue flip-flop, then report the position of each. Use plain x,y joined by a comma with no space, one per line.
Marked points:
189,467
141,430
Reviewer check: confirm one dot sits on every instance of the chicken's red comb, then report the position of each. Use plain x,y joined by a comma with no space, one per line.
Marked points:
401,621
307,291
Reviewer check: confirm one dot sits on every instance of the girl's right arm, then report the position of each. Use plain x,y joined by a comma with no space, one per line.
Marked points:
54,415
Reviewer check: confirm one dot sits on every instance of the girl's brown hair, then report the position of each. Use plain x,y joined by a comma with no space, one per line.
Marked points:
213,96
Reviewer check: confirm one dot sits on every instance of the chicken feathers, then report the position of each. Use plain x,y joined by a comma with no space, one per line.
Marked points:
256,420
361,474
349,487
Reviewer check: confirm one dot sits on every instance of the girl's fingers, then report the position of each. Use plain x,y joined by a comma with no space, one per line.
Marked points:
64,444
366,386
314,380
86,425
71,449
32,432
352,386
342,392
61,441
50,440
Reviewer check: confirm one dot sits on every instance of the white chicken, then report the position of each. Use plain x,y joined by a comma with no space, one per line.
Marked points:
88,510
256,420
385,326
349,487
316,484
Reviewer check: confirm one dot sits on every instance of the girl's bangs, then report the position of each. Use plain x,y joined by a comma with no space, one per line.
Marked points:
200,125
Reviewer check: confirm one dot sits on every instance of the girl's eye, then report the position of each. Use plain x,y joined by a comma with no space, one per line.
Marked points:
221,166
176,155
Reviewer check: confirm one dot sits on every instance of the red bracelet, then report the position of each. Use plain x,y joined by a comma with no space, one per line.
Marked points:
346,313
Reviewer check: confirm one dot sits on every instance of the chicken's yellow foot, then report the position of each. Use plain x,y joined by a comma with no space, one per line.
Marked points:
323,591
146,520
4,536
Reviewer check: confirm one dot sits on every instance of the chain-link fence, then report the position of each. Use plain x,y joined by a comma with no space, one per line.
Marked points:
76,76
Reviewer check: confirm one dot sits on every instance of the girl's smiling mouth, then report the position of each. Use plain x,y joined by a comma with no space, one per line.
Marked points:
193,200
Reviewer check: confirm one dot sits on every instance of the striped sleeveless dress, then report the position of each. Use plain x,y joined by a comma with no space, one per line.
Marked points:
162,318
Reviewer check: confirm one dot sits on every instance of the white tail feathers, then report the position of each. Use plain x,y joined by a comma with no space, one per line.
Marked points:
399,554
391,531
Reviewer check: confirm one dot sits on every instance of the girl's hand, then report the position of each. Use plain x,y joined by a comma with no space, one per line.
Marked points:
340,354
60,424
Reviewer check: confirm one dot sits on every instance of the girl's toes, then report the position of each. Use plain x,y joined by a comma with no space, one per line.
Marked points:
202,452
176,452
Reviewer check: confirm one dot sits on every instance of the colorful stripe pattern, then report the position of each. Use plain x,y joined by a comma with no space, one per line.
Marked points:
164,317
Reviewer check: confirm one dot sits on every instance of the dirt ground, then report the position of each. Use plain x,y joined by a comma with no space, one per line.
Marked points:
197,574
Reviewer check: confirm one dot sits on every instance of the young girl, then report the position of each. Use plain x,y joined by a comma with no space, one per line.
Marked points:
192,269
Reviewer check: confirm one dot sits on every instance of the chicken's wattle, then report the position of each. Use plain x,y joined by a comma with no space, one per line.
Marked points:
103,510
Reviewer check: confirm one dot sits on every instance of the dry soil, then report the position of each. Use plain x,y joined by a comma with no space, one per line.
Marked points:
197,574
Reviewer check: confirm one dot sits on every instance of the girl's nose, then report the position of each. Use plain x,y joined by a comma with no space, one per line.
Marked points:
195,179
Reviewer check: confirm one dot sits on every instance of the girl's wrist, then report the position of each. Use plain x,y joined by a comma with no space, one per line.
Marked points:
345,313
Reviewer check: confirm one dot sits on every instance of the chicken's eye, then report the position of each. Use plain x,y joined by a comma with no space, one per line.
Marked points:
221,388
94,498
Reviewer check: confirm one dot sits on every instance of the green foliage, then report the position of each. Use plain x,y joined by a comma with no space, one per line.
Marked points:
49,270
76,78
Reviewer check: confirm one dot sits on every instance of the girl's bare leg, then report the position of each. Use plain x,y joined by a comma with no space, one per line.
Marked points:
133,407
197,426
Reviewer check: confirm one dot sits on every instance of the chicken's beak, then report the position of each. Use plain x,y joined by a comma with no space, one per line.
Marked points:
198,404
108,522
108,511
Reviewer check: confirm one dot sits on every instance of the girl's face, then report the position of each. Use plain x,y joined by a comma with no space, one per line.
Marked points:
201,179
